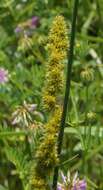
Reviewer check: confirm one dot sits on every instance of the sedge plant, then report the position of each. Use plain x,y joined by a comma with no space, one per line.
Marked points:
47,156
67,91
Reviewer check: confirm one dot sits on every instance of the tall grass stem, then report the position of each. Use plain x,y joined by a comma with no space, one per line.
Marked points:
67,89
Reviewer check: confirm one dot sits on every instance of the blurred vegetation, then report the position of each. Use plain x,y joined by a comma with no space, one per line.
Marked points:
23,55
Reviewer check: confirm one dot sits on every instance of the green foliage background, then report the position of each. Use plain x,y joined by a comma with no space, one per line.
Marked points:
83,142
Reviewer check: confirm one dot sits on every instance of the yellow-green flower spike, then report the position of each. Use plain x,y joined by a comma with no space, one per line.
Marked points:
46,156
57,52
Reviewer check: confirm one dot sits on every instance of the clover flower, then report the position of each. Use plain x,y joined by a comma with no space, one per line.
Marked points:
24,113
18,29
21,116
69,183
29,24
34,22
4,77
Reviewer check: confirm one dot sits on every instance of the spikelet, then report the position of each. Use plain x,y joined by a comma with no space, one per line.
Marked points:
38,183
46,156
47,150
57,52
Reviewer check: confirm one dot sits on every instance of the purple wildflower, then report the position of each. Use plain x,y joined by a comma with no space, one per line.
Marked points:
18,29
3,75
28,24
71,183
34,22
80,185
59,187
64,178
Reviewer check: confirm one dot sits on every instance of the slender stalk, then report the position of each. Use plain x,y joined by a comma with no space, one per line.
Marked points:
90,38
99,12
86,109
9,134
67,90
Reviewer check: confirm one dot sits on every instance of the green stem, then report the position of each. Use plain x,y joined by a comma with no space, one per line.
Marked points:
67,161
88,157
99,12
12,133
67,90
75,108
90,38
86,109
86,130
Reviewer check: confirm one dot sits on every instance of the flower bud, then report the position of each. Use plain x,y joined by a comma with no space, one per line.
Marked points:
87,75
